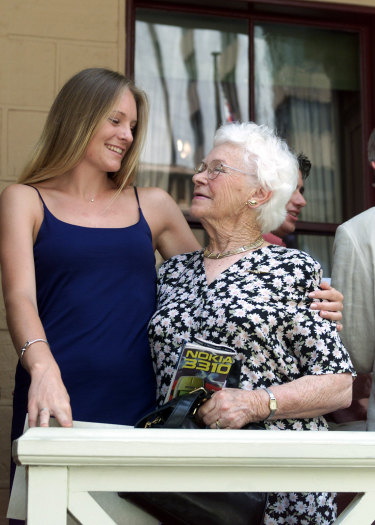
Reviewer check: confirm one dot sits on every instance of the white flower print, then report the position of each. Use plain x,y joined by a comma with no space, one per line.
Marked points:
298,274
345,366
278,283
255,361
310,499
270,521
272,321
269,375
256,318
309,342
239,341
322,498
319,330
300,507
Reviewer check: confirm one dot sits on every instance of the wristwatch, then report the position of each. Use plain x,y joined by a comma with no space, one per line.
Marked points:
272,405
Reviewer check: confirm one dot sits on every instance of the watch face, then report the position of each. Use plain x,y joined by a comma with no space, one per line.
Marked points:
273,404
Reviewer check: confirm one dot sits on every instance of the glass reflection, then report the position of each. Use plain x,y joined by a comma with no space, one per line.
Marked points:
195,72
307,85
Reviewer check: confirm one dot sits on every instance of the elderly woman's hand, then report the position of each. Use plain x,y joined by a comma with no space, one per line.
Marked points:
305,397
330,303
234,408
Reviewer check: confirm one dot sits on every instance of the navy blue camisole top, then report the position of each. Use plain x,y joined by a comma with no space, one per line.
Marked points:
96,292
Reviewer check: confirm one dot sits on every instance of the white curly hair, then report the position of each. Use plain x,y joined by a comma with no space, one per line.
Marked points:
274,165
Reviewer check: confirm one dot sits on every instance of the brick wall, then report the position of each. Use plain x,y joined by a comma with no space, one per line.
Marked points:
42,44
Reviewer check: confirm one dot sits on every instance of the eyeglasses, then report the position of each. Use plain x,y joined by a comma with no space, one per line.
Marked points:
215,168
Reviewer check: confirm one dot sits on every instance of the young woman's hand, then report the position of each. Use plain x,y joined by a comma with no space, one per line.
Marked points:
48,397
329,302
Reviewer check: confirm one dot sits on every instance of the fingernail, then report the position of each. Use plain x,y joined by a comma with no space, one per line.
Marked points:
313,306
312,294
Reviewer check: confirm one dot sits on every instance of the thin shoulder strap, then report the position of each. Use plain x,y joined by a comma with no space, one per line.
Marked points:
136,196
40,197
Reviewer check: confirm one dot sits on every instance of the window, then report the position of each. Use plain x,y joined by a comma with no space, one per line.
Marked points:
307,86
204,65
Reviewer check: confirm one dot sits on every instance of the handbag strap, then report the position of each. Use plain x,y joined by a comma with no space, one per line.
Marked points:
185,405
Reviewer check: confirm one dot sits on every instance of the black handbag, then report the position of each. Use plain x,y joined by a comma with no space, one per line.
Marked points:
202,508
177,413
195,508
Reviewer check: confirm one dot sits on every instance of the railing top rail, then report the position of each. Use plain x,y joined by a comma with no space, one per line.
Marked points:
80,446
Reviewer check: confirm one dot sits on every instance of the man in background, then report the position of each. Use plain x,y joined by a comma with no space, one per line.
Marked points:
293,208
354,275
296,203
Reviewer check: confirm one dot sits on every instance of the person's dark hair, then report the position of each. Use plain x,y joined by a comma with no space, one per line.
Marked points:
371,147
304,165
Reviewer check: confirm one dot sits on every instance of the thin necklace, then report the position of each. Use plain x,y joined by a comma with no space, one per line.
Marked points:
210,255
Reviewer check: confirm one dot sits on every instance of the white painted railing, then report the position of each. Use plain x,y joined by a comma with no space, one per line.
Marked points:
65,466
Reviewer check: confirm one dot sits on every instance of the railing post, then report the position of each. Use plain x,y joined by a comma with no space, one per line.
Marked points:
355,514
47,495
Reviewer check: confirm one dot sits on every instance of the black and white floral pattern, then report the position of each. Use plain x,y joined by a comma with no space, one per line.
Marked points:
259,306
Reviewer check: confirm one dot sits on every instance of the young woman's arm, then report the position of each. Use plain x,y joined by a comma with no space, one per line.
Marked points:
170,232
20,217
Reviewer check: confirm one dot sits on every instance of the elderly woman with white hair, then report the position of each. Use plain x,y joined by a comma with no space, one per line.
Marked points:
250,295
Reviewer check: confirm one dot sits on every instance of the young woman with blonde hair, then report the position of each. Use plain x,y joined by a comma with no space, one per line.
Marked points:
77,255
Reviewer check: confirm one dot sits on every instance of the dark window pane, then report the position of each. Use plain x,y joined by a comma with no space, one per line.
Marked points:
307,85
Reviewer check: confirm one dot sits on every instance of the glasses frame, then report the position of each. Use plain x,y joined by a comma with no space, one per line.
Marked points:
210,171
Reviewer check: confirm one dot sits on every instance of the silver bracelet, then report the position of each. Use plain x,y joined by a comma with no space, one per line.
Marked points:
29,343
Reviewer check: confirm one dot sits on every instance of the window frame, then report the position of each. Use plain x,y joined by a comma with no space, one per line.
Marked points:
344,17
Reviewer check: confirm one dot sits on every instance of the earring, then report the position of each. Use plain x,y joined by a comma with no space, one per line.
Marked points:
251,202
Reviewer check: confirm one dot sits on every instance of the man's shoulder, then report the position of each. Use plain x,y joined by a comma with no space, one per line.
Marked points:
364,221
357,234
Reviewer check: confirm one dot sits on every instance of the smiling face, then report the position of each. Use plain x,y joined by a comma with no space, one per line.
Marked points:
226,195
114,136
293,208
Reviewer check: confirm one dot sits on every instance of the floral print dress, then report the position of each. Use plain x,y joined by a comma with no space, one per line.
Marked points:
260,307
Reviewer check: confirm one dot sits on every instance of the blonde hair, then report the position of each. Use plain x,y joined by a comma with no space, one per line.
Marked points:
80,107
274,167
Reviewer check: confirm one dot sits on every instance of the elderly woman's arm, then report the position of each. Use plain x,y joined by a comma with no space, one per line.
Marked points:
306,397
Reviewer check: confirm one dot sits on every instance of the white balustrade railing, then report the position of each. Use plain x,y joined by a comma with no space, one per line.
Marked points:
71,470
